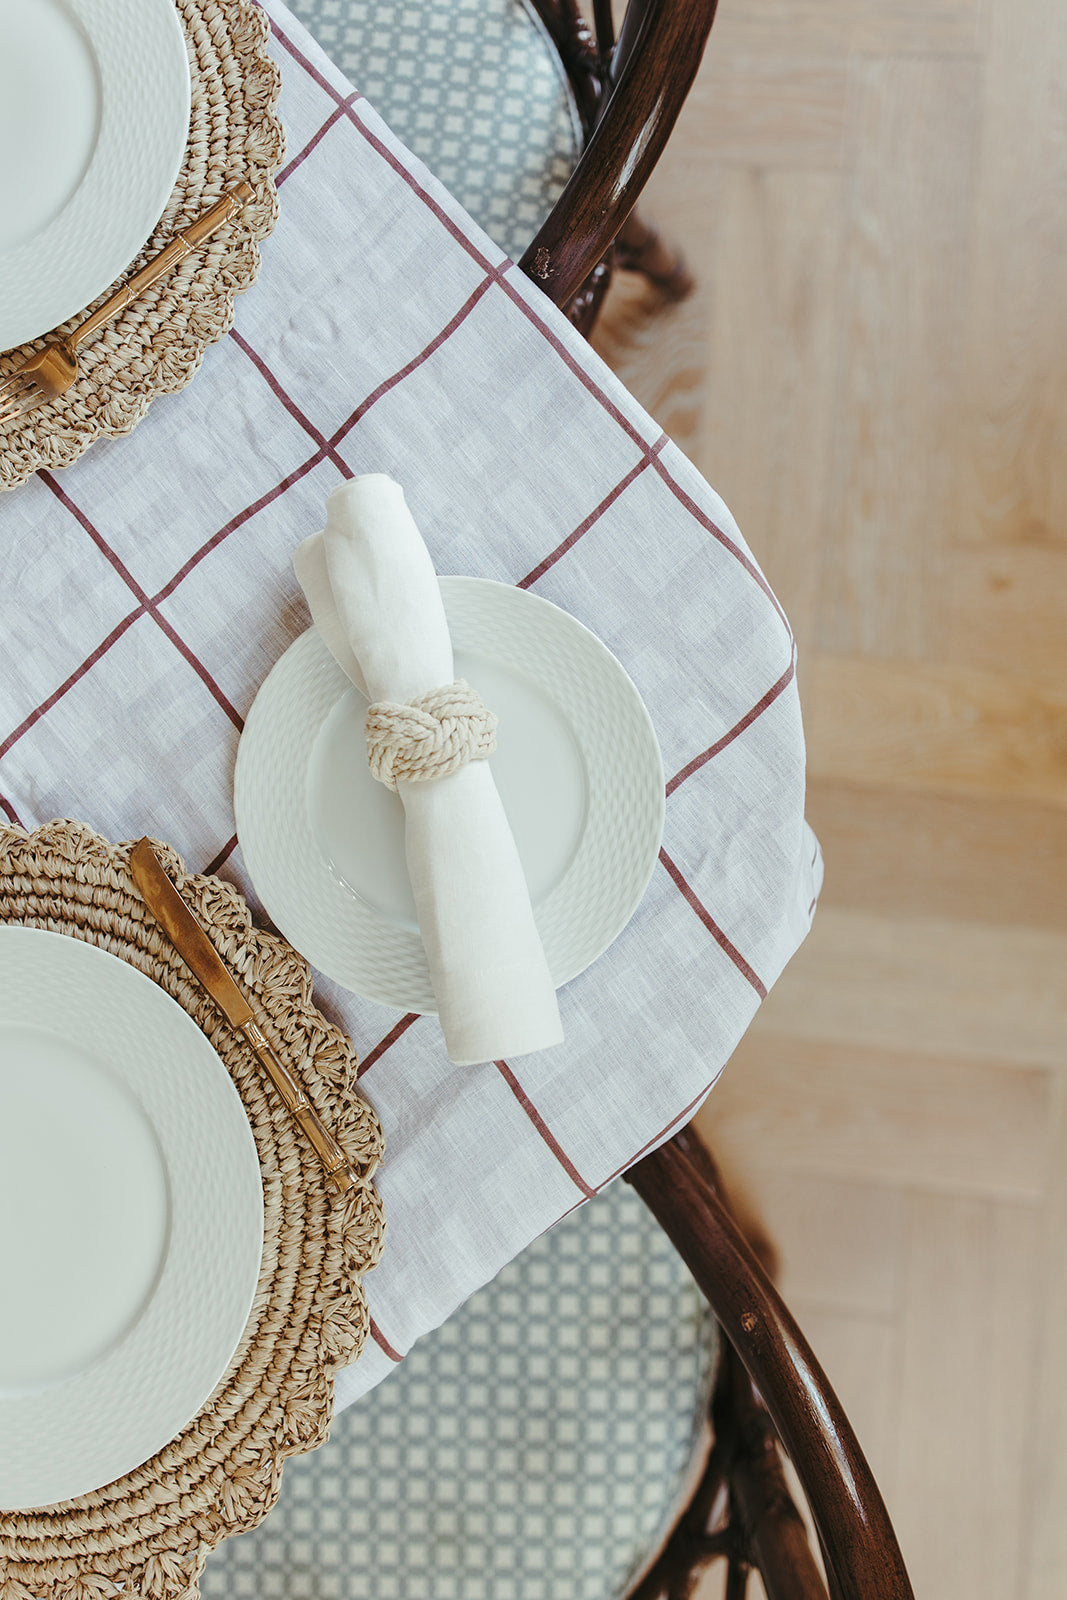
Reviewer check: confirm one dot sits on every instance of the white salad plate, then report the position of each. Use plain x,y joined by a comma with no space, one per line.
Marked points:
131,1218
577,766
94,118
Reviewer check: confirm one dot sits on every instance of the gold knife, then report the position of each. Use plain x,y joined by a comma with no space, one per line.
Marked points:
203,960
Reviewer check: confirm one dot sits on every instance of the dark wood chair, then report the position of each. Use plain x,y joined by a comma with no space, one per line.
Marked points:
770,1389
624,96
628,91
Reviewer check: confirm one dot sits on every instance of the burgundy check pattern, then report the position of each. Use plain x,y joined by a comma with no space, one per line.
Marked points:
149,589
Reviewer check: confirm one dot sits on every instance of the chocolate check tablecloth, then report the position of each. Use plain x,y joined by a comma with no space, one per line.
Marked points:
148,589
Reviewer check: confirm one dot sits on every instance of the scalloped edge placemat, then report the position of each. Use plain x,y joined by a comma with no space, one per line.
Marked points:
149,1533
158,342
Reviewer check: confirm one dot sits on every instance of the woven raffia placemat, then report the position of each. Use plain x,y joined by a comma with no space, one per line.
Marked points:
157,343
149,1533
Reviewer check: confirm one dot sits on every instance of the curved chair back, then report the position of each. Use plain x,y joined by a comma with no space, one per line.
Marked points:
629,94
785,1386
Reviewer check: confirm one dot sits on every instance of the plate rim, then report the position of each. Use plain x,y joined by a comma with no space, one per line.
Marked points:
555,904
69,1404
69,234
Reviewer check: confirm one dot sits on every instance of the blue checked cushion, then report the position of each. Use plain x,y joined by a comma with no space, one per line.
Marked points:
473,87
534,1448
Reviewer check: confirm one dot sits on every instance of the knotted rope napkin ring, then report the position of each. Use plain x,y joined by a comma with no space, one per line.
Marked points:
429,737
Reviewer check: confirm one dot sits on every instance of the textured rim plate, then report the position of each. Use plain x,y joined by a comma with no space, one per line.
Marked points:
131,1218
588,836
94,98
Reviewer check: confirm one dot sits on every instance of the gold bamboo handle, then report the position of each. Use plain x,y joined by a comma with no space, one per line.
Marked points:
180,246
339,1173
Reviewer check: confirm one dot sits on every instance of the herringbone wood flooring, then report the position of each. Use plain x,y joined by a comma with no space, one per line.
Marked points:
873,373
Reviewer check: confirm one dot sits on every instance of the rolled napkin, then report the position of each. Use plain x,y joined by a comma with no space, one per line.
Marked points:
375,600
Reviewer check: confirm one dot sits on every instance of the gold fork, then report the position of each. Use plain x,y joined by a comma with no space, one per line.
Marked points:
49,373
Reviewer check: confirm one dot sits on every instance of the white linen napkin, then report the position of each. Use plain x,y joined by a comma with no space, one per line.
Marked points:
375,600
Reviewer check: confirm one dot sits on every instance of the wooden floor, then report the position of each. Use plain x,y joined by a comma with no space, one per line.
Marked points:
873,373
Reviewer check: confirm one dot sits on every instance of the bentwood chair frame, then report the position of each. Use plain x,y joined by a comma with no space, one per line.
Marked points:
628,93
770,1388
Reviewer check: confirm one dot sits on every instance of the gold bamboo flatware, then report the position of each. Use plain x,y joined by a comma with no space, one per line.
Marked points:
50,372
203,960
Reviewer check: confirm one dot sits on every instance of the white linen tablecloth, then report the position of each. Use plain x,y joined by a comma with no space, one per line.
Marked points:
149,588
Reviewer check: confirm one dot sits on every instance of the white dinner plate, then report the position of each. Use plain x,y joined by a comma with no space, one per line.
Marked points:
94,118
577,766
131,1218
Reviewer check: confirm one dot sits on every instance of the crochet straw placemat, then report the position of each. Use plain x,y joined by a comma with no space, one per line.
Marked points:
157,343
149,1533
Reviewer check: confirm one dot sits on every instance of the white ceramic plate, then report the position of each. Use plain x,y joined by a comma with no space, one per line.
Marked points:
577,766
131,1218
94,117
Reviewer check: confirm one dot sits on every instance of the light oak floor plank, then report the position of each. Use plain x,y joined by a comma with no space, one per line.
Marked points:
823,1227
912,133
905,725
834,28
769,110
966,1335
1012,447
995,859
1041,1455
1005,609
771,332
900,1119
918,984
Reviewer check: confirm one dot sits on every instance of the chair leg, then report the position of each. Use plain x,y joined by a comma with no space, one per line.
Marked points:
741,1509
639,248
775,1538
584,309
736,1581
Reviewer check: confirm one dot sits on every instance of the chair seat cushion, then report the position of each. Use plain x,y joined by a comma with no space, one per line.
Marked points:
533,1448
473,87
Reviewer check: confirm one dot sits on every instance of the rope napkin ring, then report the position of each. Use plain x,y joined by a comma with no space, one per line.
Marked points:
429,737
